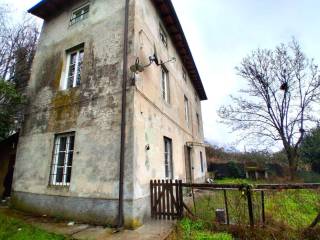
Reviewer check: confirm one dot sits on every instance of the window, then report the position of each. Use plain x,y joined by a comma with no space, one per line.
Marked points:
184,74
186,109
165,85
198,122
79,14
168,158
201,162
74,68
163,37
62,159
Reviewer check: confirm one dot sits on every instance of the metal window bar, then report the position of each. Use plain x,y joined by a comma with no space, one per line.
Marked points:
163,37
63,153
79,15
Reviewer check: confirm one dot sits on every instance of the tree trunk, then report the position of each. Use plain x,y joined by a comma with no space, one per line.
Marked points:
292,160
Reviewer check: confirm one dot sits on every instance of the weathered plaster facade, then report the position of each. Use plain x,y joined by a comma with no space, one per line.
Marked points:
93,112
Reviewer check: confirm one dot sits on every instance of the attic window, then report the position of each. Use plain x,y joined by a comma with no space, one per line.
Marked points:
79,14
184,74
163,36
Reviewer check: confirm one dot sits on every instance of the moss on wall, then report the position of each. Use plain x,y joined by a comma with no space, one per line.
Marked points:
65,108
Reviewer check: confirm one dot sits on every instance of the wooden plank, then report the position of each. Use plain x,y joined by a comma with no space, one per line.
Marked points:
172,202
167,199
163,200
158,203
177,198
151,198
180,199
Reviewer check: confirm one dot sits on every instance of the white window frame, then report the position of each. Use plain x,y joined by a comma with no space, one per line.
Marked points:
168,158
198,123
165,85
66,78
186,110
201,162
84,15
66,165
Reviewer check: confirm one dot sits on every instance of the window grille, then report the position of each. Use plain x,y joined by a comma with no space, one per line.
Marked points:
79,14
62,160
163,37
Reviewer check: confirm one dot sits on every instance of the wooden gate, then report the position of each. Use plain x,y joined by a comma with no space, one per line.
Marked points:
166,199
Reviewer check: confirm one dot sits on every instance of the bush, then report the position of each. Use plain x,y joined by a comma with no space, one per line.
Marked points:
308,177
235,170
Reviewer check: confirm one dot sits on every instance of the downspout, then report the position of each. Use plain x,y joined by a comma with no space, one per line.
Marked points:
120,220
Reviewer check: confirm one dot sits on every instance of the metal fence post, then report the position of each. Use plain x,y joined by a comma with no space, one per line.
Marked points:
250,207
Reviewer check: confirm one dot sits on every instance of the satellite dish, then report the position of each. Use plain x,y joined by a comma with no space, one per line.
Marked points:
137,67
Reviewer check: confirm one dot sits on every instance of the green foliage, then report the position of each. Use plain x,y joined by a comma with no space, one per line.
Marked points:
10,104
235,170
12,229
235,181
309,177
196,230
220,153
212,236
295,208
310,149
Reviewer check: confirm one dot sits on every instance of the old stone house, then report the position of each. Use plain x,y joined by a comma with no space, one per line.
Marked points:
95,133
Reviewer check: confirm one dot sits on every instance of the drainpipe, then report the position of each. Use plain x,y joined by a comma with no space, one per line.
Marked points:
120,220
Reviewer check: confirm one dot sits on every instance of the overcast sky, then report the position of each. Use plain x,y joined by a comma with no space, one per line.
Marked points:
221,32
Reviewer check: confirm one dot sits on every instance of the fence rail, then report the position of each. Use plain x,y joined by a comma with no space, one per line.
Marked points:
167,196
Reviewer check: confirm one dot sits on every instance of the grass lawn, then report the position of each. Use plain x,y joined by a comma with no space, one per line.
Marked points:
13,229
288,212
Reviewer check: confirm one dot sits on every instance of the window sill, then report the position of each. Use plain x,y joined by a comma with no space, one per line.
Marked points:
166,104
69,89
64,188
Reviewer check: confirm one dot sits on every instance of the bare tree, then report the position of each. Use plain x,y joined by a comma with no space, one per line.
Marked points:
18,43
279,103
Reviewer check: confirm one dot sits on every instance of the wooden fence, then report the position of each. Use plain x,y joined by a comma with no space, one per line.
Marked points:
166,199
167,196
